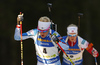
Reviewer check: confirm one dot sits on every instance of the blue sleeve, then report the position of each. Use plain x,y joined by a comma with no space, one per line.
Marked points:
32,32
25,35
64,37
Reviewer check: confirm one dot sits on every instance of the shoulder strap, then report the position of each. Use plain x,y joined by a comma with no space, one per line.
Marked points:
79,42
66,40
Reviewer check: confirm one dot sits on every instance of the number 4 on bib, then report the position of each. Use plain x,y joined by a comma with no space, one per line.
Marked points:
44,51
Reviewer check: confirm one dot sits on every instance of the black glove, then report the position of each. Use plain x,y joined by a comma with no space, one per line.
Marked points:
55,39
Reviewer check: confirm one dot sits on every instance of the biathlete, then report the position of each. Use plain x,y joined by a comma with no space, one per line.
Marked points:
77,45
44,40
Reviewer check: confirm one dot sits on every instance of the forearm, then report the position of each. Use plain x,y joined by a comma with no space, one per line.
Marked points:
17,35
92,50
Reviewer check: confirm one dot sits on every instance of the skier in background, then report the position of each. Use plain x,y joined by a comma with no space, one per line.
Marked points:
44,40
77,45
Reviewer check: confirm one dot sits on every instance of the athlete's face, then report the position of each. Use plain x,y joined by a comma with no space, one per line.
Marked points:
44,34
72,37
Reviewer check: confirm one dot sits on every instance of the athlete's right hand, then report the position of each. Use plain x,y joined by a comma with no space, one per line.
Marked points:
19,18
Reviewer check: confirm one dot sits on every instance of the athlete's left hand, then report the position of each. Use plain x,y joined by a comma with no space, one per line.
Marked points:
95,53
55,39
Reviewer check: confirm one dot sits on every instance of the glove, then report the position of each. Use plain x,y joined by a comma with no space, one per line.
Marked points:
55,39
95,53
19,18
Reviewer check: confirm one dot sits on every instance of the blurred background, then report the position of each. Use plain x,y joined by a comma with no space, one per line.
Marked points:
64,12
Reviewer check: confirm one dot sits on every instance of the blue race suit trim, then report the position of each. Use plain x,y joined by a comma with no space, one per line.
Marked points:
45,42
48,61
65,62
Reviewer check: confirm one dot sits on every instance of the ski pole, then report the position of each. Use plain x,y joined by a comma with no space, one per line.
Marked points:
65,54
63,50
49,8
53,26
79,16
21,41
90,45
95,61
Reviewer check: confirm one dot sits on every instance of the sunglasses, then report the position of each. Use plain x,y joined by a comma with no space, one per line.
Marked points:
72,35
43,30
